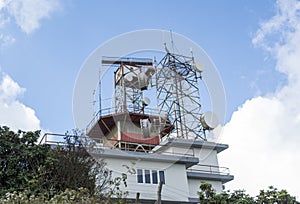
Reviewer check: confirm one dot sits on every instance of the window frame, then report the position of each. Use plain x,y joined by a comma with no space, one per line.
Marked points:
162,177
150,176
140,176
154,176
147,176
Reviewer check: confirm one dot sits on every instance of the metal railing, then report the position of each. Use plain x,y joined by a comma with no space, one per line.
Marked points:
127,60
105,111
112,110
53,139
103,143
58,139
211,169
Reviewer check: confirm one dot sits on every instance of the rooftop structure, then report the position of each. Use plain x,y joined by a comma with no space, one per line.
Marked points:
166,143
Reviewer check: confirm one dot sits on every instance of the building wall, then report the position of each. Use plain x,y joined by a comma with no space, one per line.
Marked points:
179,151
175,187
208,163
207,156
194,185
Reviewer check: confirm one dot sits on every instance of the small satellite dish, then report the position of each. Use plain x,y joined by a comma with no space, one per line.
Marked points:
198,66
209,120
150,71
129,77
146,101
143,81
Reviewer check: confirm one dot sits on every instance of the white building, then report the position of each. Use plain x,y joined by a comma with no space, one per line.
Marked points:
181,164
158,147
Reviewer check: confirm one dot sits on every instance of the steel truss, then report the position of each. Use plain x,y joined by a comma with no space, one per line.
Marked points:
178,94
129,82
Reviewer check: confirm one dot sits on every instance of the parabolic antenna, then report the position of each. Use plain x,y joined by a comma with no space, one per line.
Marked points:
146,101
129,77
143,81
198,66
209,120
150,71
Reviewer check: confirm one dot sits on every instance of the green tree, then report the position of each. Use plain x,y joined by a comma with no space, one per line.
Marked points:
41,169
207,195
240,197
70,166
20,159
273,195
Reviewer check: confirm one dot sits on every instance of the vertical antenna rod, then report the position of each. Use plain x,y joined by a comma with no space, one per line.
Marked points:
99,84
172,42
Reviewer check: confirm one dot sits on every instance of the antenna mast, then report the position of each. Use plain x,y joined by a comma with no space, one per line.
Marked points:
100,93
172,42
178,94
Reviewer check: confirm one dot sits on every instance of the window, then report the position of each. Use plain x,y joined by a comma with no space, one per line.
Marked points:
147,176
150,176
140,175
162,177
154,177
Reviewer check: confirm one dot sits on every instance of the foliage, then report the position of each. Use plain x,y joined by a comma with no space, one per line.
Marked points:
273,195
207,195
33,173
20,160
77,168
80,195
115,191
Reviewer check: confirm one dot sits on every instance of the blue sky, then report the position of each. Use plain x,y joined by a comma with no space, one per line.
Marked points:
44,43
47,60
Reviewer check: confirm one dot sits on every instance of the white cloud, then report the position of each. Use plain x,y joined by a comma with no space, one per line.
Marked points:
13,113
263,133
29,13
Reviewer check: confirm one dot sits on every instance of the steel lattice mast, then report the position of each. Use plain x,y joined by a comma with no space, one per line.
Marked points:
178,94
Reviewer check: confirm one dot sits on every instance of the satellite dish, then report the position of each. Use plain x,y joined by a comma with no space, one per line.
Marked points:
198,66
143,81
150,71
209,120
146,101
129,77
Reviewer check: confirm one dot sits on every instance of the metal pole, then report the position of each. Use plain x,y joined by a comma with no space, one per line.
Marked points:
100,93
137,198
158,201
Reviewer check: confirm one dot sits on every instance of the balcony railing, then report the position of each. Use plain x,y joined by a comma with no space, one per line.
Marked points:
58,140
103,143
112,110
210,169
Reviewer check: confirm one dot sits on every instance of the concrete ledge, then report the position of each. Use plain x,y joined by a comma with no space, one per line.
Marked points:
122,154
211,177
177,142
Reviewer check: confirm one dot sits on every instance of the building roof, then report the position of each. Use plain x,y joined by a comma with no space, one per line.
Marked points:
179,142
122,154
